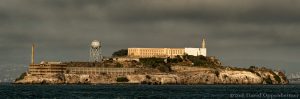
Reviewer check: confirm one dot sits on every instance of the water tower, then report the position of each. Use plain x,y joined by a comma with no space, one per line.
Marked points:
95,51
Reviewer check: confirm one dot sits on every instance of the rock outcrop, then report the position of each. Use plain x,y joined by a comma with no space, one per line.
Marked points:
179,75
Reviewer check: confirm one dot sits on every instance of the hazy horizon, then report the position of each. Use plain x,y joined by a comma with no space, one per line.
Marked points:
239,33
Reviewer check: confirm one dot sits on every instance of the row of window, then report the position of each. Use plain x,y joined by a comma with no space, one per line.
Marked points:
157,51
176,52
145,50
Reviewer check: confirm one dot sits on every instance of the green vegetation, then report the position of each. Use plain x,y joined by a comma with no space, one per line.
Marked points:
252,67
158,63
277,78
152,62
268,80
200,60
282,75
177,59
119,53
22,76
122,79
252,70
164,65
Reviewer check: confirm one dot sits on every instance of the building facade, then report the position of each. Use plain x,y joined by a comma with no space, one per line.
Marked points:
166,52
47,68
155,52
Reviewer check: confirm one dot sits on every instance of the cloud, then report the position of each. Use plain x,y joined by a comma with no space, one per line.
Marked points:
267,30
210,11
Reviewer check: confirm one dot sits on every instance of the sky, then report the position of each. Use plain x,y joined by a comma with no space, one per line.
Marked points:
240,33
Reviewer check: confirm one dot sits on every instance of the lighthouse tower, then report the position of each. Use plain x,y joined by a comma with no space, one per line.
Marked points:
203,48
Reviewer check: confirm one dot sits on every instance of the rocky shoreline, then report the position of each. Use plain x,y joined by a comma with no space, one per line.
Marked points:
181,75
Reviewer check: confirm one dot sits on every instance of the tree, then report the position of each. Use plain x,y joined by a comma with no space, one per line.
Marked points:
199,60
177,59
122,52
157,63
152,62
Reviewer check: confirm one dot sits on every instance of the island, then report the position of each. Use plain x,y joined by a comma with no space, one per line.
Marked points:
188,70
153,66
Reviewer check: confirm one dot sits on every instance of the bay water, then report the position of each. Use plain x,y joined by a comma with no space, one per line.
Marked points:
17,91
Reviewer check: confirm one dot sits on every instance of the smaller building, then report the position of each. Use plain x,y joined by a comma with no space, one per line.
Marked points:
45,68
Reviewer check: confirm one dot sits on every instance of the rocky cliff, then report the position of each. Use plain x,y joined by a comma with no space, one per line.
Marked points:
179,75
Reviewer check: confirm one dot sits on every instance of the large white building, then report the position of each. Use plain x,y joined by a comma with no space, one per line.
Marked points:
196,51
166,52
